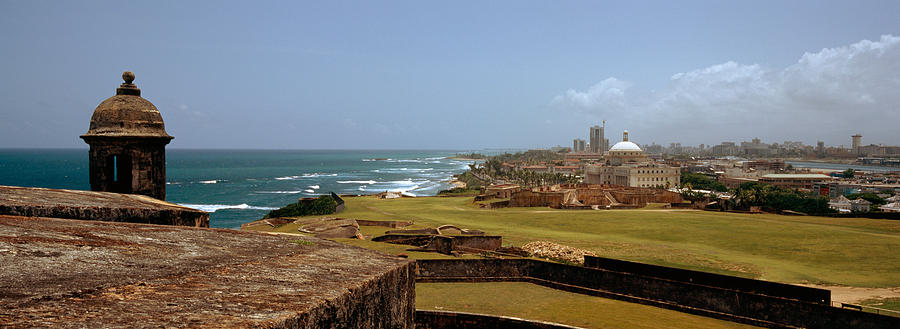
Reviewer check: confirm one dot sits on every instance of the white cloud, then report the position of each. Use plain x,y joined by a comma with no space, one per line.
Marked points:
609,92
826,95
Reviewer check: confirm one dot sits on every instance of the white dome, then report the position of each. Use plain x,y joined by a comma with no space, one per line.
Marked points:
625,146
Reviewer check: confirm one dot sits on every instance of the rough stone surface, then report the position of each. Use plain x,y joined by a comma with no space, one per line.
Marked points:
552,250
340,232
102,206
69,273
326,224
464,243
127,114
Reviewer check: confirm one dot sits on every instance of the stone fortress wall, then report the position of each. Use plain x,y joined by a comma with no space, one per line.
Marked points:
735,299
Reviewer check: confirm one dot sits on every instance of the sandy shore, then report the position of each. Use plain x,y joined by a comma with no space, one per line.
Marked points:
457,183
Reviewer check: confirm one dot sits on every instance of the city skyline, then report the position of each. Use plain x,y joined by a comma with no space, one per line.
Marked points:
408,75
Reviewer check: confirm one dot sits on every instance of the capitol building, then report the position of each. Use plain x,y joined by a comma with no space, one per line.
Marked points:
626,164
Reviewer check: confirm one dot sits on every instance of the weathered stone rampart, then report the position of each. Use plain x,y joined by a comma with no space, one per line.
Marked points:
90,274
759,287
101,206
724,301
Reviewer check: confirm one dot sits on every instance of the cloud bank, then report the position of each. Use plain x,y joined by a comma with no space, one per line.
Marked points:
827,95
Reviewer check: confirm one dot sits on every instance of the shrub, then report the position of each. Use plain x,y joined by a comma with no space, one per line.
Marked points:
322,205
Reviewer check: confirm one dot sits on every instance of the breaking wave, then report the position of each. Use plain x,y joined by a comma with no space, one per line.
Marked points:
369,182
217,207
318,175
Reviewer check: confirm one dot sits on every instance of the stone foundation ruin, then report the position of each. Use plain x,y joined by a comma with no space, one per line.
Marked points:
588,196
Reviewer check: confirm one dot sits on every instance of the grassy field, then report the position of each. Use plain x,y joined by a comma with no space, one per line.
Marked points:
887,304
793,249
529,301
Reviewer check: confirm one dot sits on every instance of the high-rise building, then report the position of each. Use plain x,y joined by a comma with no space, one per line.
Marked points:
598,143
856,141
578,145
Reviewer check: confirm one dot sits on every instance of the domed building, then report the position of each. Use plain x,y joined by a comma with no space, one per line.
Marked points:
625,152
626,164
128,141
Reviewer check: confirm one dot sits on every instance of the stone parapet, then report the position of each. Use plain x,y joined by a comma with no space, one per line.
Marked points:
101,206
89,274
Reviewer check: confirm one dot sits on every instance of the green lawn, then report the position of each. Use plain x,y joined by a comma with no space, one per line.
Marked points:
888,304
794,249
534,302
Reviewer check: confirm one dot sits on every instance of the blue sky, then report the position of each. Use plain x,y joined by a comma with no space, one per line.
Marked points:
455,75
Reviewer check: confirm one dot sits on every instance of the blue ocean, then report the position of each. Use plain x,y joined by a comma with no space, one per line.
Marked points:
238,186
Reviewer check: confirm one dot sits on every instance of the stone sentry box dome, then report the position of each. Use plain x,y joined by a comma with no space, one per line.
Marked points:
128,144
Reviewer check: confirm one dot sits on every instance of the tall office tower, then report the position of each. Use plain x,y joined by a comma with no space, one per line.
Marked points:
578,145
599,144
856,141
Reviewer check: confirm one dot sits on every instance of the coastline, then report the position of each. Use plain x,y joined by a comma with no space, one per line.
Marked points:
457,183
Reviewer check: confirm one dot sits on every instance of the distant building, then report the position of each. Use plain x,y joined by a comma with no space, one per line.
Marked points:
755,148
840,203
891,207
860,205
856,141
598,142
653,149
794,181
583,157
769,165
626,164
578,145
735,182
724,149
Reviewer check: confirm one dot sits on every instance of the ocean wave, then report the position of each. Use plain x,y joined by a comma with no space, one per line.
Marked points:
209,181
309,191
287,178
279,192
315,187
404,189
435,158
216,207
408,182
318,175
362,188
369,182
